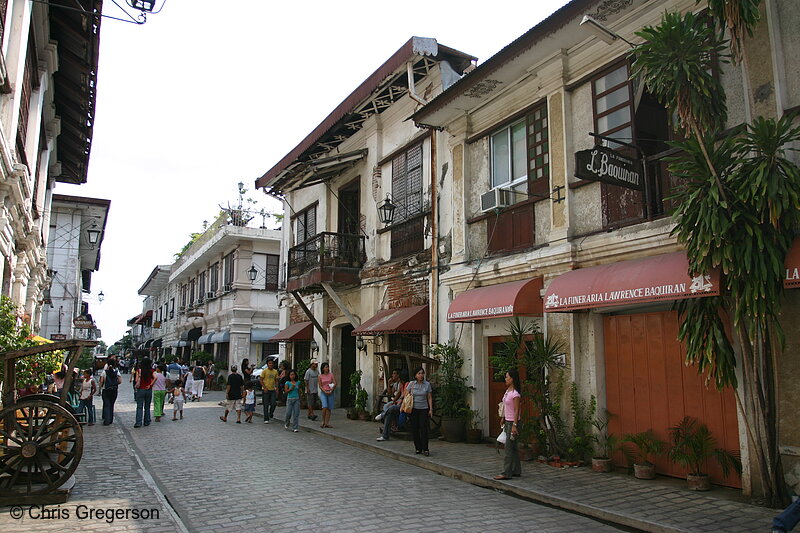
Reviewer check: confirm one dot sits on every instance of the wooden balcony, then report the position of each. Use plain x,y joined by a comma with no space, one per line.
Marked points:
335,258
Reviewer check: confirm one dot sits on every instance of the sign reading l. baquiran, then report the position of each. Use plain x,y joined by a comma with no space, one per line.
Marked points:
606,165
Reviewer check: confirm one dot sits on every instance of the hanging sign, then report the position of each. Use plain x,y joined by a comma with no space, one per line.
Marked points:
606,165
83,322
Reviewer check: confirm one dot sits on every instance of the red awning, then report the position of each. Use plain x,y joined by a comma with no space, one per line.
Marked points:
652,279
516,298
400,320
144,316
792,264
302,331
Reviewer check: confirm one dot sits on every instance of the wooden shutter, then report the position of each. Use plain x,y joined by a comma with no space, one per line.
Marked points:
414,180
538,154
511,230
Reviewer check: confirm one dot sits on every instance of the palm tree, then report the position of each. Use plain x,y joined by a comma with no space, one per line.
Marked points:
736,211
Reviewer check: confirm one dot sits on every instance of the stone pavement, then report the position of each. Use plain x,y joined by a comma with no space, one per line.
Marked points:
662,505
109,477
201,474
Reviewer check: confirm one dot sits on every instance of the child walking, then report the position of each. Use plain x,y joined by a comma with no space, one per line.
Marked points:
292,390
178,399
249,403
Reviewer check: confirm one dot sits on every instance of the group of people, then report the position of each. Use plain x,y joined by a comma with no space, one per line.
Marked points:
392,415
283,383
174,383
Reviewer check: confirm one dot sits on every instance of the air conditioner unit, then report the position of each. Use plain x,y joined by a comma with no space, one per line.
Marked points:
497,199
227,288
209,295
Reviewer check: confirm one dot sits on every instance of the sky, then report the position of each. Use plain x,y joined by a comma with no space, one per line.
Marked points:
207,94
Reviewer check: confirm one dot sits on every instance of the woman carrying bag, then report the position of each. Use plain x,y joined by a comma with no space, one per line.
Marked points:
422,393
511,463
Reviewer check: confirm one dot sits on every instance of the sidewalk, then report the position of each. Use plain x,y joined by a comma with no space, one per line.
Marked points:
662,505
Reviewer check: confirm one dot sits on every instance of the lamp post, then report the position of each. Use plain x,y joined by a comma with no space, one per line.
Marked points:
252,273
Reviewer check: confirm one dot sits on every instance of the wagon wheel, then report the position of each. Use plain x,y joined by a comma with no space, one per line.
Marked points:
41,444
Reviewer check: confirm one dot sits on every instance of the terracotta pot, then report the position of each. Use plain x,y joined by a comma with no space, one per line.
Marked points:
601,465
646,471
698,482
474,436
363,415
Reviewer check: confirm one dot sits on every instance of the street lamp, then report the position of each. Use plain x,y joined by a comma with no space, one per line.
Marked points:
143,5
101,296
386,211
93,234
252,273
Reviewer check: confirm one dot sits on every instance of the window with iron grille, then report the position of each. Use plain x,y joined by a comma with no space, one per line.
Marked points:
172,308
213,273
271,273
305,225
192,286
399,345
636,117
184,294
408,230
227,265
201,286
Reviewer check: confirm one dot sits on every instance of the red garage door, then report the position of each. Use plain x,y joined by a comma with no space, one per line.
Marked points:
648,386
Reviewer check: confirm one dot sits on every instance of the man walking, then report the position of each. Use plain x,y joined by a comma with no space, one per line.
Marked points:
312,392
234,393
269,389
108,385
199,381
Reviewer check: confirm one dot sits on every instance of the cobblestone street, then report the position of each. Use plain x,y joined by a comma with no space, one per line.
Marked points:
254,477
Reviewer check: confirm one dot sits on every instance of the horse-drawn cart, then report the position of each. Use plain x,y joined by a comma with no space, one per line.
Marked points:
41,441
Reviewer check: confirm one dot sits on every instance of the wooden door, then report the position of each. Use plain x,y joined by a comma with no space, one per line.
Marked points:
648,386
348,344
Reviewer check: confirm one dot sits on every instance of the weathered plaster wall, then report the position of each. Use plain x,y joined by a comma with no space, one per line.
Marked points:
788,20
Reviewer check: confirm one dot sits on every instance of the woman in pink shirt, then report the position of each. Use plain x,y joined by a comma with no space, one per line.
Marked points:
511,464
327,382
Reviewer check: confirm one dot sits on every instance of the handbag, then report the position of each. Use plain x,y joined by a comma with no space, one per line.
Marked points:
501,410
408,403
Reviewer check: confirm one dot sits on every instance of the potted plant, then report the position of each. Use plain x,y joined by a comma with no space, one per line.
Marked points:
605,444
355,388
643,446
361,404
691,445
474,427
451,391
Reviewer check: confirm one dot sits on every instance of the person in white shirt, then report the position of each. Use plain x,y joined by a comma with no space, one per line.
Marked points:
88,388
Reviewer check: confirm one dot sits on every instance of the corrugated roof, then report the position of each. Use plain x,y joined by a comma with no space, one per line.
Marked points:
414,46
526,41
